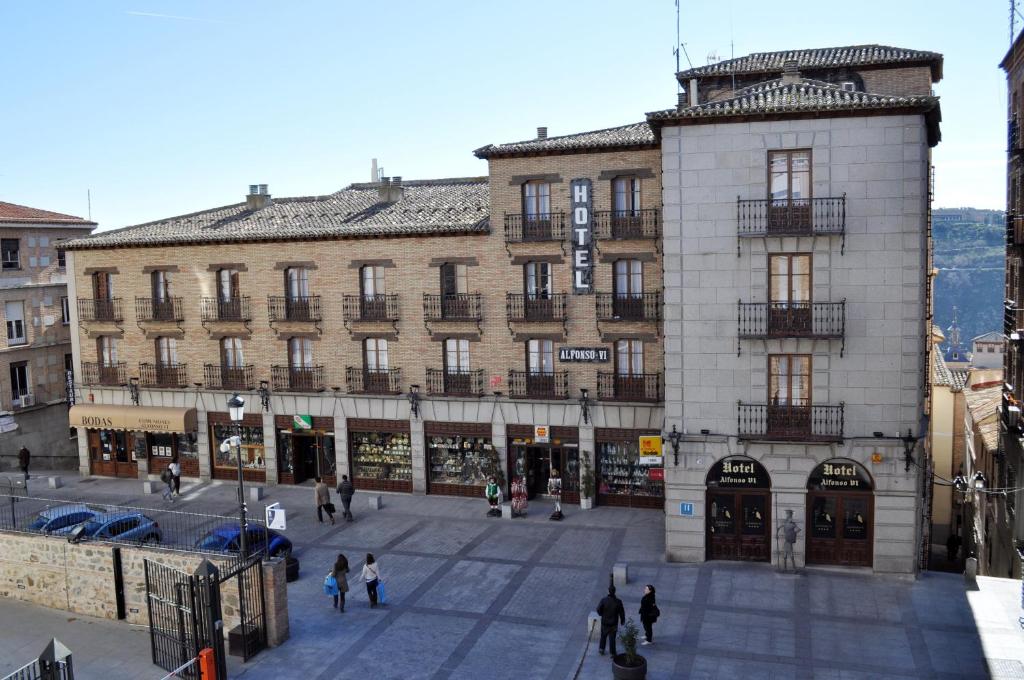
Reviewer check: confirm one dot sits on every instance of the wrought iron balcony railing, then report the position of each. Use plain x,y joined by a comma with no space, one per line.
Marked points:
629,307
627,224
163,375
96,373
1013,136
299,308
792,319
297,378
153,309
790,422
455,307
455,383
370,307
535,307
791,217
232,309
373,381
100,309
529,385
238,378
635,387
523,228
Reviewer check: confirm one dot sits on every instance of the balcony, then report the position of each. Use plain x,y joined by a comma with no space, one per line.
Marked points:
233,309
632,307
635,387
100,309
1012,320
792,319
110,375
297,378
235,378
534,307
373,381
529,385
456,307
792,217
1013,136
520,228
163,375
152,309
455,383
790,423
370,307
622,225
300,308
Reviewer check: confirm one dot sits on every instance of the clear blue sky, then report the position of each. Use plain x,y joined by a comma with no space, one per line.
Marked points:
163,108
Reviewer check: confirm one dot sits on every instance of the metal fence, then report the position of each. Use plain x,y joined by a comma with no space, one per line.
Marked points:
53,664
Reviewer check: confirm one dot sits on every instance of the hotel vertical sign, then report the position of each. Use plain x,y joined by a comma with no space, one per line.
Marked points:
582,238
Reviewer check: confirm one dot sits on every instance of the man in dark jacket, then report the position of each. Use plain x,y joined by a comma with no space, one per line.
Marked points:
345,491
23,460
612,613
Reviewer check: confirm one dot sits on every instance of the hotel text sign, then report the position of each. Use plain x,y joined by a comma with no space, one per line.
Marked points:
582,238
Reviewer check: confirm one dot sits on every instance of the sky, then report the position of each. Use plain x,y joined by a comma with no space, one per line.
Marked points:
161,108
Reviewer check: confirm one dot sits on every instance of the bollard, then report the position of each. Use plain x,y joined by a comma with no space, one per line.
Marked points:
620,574
55,482
255,493
376,502
149,487
971,569
506,511
207,668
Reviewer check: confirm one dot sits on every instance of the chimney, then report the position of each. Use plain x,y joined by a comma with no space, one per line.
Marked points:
258,198
390,190
681,104
790,71
374,175
542,133
694,100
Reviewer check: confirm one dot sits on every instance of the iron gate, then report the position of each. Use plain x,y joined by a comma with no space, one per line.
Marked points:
250,636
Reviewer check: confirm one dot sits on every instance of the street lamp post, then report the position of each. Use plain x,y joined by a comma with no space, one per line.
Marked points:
236,409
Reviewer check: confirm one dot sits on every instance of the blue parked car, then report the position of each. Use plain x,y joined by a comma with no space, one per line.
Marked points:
116,526
224,539
53,520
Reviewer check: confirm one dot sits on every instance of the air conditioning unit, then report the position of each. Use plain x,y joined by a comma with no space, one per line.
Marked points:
25,401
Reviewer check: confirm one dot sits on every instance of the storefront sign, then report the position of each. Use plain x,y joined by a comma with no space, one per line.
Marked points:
582,238
839,475
686,509
276,517
876,457
650,450
738,473
541,434
301,421
657,474
69,387
133,418
598,355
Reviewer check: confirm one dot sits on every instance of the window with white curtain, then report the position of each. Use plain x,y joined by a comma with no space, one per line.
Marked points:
15,314
540,356
375,351
300,353
456,355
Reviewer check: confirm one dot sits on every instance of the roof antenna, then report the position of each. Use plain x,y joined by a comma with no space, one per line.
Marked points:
679,47
732,48
88,198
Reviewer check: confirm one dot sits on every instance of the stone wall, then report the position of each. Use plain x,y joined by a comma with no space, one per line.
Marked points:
44,431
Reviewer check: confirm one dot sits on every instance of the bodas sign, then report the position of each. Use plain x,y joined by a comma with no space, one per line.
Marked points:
582,238
97,422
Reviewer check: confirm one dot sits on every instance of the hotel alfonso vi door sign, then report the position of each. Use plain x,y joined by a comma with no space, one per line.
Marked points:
582,237
739,511
840,503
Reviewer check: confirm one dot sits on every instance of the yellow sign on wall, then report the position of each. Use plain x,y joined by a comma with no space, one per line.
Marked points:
650,450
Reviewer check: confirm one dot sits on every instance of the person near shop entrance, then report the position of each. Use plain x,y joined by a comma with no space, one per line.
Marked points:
371,576
952,547
340,574
175,468
789,531
519,497
167,477
555,489
493,494
24,458
649,613
322,497
345,491
612,613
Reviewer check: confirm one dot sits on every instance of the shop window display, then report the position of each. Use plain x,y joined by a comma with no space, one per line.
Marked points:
619,473
381,456
467,461
252,447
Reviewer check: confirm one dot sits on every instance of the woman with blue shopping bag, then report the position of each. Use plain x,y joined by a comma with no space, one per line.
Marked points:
374,583
340,575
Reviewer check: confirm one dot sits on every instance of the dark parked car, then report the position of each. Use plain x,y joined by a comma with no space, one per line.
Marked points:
52,520
224,539
116,526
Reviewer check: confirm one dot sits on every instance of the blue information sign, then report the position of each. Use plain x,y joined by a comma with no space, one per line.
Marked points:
686,509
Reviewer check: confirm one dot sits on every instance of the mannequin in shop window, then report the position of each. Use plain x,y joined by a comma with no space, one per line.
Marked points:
555,489
493,494
519,497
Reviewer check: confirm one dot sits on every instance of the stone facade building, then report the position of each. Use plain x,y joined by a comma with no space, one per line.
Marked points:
35,352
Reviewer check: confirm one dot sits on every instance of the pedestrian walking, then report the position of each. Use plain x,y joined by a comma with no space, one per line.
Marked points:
175,468
371,575
649,613
612,613
340,574
345,491
322,497
168,479
952,547
24,458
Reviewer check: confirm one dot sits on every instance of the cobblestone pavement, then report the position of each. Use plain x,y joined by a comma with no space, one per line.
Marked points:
474,597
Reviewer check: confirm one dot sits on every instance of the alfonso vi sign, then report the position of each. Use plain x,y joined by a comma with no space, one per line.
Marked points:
582,238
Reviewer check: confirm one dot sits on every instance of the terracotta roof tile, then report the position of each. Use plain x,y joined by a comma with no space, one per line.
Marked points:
632,135
12,212
818,58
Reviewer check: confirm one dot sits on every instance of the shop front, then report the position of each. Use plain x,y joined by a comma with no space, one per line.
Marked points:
224,464
380,454
739,511
117,437
305,449
536,450
623,478
163,447
840,504
460,458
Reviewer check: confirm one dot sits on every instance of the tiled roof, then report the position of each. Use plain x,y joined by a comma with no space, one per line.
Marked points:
820,58
427,207
632,135
12,212
959,379
940,371
991,336
797,95
983,406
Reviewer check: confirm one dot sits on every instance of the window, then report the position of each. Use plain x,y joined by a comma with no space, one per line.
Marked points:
453,279
536,200
537,280
14,312
166,352
10,253
456,355
69,363
849,86
789,278
629,278
300,353
106,350
231,353
44,260
375,354
540,357
19,380
790,175
626,196
227,285
65,311
371,281
61,259
102,286
297,283
629,357
160,283
789,380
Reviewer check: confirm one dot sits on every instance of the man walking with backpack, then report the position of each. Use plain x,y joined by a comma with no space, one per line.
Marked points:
345,491
612,613
167,477
24,457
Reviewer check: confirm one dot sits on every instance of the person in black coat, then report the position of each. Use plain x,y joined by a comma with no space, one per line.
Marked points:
612,613
649,613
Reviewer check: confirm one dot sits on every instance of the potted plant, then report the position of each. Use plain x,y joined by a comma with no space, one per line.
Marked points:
587,483
629,665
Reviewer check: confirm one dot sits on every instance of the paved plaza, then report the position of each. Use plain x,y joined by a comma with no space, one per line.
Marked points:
473,597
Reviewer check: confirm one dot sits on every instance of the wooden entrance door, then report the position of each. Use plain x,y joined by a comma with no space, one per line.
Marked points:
110,455
738,524
839,529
